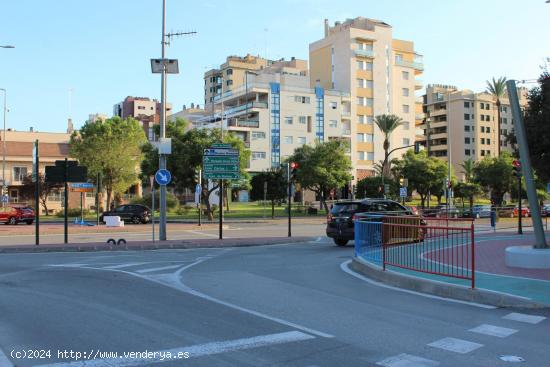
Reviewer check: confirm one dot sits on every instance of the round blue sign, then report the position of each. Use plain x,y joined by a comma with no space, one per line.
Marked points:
163,177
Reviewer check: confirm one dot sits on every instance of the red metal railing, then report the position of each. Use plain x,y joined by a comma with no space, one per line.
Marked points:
442,246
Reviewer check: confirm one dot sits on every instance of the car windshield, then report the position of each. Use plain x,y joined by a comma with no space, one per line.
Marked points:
344,208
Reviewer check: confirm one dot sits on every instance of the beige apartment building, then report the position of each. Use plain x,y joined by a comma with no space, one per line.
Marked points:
361,58
277,111
461,124
145,110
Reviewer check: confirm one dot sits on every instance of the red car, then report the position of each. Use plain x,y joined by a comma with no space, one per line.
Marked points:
525,212
16,214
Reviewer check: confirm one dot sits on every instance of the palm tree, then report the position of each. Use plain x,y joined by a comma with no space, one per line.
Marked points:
387,124
497,87
468,169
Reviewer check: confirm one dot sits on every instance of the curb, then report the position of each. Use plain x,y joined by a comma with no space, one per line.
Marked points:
442,289
144,246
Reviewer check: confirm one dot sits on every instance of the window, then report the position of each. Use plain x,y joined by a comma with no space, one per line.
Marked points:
229,82
141,107
405,108
406,142
361,101
466,128
289,120
482,152
482,140
364,65
488,129
466,151
368,65
361,137
405,75
466,104
488,141
302,140
370,156
333,105
482,105
19,173
466,140
301,99
504,120
398,58
302,119
369,84
406,125
487,106
483,129
370,120
258,155
362,119
333,123
362,156
229,72
258,135
369,138
405,92
370,102
288,140
466,116
504,109
361,83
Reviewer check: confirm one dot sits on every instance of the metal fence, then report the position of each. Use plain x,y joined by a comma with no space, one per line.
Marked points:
441,246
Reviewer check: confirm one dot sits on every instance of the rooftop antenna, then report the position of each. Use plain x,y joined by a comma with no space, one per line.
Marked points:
171,35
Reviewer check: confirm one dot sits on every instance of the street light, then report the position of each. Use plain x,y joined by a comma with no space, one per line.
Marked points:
4,145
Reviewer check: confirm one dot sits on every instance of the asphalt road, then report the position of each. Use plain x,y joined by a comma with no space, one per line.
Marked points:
282,305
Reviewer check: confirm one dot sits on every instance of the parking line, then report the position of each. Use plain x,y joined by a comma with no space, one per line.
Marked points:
192,351
143,271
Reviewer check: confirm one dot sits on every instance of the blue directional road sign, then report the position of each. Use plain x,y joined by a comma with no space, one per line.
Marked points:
5,198
163,177
403,192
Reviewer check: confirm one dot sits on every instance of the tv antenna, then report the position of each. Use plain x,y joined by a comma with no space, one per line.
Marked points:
171,35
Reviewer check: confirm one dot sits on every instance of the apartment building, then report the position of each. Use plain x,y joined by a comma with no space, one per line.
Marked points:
361,58
461,124
145,110
277,111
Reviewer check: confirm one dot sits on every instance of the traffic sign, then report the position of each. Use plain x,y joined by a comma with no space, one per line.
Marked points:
221,159
5,198
221,151
198,189
163,177
403,192
223,176
221,162
81,187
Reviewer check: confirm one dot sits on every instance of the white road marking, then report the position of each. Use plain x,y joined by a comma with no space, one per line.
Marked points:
407,360
4,361
151,270
344,267
455,345
120,266
521,317
206,234
500,332
194,351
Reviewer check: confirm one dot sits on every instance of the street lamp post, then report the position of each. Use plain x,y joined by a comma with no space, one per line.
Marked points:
162,156
4,146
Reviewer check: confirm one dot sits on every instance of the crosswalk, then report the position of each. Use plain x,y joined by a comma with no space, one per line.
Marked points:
460,346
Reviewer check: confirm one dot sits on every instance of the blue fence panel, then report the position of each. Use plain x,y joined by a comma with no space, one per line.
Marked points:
368,239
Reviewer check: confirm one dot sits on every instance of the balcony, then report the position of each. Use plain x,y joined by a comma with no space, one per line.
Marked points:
364,53
346,115
232,111
250,123
346,132
418,84
408,64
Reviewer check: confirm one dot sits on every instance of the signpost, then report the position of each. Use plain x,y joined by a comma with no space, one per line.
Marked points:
152,182
35,167
81,187
198,191
221,162
163,177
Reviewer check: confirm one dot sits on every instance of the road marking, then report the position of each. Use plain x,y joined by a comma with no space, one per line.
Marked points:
500,332
194,351
455,345
407,360
127,265
4,361
521,317
206,234
151,270
344,267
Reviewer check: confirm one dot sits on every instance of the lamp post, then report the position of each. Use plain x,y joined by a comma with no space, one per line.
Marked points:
4,146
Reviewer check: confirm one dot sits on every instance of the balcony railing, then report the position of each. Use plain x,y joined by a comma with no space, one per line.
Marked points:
364,53
408,64
346,113
244,123
233,110
346,132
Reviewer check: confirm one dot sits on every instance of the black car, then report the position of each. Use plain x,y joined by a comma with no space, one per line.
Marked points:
545,210
442,211
133,213
340,222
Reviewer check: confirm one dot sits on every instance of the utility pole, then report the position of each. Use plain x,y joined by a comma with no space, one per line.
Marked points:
4,149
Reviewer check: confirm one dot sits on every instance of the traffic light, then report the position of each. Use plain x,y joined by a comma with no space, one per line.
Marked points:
401,181
293,170
516,169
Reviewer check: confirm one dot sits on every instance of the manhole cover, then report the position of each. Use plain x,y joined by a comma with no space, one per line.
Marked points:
512,359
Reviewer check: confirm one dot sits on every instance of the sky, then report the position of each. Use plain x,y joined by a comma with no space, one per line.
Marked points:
76,57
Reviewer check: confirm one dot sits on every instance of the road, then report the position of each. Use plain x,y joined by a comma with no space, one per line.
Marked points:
281,305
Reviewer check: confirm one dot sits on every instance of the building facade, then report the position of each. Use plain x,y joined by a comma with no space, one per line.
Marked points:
461,124
143,109
361,58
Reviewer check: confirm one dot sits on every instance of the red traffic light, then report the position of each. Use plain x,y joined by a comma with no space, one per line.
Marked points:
516,163
294,165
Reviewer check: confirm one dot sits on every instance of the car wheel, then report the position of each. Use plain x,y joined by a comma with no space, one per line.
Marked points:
12,221
340,241
136,220
29,222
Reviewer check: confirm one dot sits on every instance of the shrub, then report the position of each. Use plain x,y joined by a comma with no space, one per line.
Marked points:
73,212
172,202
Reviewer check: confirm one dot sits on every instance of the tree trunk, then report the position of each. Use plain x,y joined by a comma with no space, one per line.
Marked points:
498,126
422,200
109,193
272,209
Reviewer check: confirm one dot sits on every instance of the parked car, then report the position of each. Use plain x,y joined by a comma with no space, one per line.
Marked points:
442,211
340,221
16,214
545,210
413,209
478,211
506,211
525,212
133,213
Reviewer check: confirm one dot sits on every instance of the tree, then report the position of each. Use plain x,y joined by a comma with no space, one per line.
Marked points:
372,187
186,158
537,126
276,187
497,87
425,174
111,147
468,169
468,189
494,174
387,124
322,167
27,190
